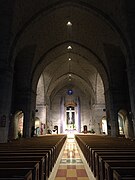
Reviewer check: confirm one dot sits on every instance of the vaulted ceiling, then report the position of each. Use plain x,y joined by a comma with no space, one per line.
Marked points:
42,37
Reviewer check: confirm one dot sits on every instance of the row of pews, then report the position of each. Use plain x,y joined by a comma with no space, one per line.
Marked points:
30,158
109,158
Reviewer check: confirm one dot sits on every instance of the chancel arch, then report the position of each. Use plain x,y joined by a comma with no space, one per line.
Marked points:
87,100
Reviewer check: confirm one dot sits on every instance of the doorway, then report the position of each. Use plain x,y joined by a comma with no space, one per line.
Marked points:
104,126
121,124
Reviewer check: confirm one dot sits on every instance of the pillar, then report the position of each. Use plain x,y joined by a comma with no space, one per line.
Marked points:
97,114
48,121
111,112
6,74
131,80
6,77
78,108
129,131
62,117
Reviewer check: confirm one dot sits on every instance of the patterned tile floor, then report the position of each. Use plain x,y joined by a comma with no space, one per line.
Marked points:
71,166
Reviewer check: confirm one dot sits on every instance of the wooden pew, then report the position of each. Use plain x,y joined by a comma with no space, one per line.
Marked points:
103,144
39,159
44,152
51,154
111,165
34,166
100,168
49,149
18,174
31,148
98,163
112,152
124,174
55,143
34,154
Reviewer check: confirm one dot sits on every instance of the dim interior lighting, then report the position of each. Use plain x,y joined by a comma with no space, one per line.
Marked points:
69,23
69,47
69,59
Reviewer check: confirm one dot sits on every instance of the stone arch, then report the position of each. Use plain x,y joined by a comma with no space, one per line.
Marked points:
52,91
23,70
59,4
37,63
125,123
96,61
117,65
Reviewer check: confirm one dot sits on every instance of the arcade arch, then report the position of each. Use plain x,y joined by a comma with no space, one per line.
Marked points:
90,44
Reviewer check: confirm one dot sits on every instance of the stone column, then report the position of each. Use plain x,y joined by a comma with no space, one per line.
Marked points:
114,122
48,123
6,77
129,131
62,118
78,115
111,112
131,80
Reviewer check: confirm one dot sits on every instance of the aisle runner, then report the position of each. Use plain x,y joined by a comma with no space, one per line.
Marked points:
71,166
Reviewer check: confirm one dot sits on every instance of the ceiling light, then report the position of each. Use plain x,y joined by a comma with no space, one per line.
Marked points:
69,75
69,47
69,23
69,59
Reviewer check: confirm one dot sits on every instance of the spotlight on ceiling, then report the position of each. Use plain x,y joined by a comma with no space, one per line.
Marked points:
69,47
69,23
69,59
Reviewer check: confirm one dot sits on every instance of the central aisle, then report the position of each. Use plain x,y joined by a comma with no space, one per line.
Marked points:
71,166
